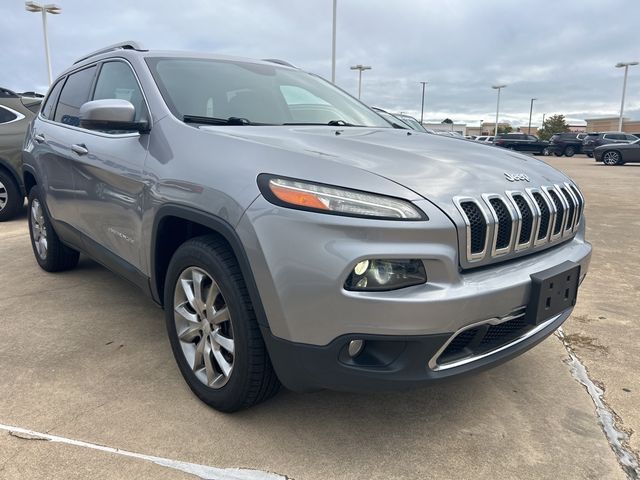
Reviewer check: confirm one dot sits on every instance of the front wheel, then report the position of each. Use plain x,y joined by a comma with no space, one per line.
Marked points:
51,254
570,151
10,198
212,327
590,155
612,157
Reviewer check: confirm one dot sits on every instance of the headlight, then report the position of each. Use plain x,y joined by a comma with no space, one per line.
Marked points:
316,197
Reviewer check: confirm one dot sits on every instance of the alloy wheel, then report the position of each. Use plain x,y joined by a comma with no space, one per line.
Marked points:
38,229
4,196
204,327
611,158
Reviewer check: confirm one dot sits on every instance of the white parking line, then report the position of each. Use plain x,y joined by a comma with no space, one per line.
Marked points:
202,471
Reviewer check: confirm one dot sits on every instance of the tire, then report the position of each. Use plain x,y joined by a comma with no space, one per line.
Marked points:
10,198
612,157
240,374
590,155
557,154
570,151
546,152
51,254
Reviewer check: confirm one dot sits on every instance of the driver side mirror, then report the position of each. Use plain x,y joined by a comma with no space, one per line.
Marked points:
111,114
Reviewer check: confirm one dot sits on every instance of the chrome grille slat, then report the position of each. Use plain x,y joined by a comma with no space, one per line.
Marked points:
498,224
527,219
559,208
572,205
504,224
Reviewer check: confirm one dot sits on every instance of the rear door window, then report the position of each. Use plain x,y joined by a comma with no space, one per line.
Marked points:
615,136
75,92
6,116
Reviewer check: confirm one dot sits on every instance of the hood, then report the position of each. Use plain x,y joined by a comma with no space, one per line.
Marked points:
435,167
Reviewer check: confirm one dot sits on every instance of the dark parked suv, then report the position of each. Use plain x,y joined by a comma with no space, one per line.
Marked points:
521,142
290,233
596,139
567,143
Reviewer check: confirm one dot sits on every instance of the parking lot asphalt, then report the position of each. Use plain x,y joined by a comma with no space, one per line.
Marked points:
84,357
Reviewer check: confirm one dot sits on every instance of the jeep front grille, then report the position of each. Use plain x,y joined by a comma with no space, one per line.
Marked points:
514,221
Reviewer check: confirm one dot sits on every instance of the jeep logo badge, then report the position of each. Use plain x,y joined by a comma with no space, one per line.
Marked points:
516,177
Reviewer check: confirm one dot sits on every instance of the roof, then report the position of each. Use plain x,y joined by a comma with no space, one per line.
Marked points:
131,47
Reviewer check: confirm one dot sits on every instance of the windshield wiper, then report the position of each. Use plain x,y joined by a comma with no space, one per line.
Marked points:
215,121
332,123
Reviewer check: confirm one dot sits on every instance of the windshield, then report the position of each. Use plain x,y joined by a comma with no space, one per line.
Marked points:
254,93
392,119
413,123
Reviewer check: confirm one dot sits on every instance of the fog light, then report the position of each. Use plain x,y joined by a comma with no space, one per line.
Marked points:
361,267
380,275
355,347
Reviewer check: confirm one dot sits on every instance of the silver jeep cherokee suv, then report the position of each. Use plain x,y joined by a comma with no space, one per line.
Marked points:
290,234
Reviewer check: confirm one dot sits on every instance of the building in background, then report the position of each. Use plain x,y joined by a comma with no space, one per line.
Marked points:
610,124
474,131
461,128
488,128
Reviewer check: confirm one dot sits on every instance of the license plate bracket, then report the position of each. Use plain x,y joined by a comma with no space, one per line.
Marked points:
553,291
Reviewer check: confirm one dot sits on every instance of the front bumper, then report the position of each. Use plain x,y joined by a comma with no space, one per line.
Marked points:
304,368
300,261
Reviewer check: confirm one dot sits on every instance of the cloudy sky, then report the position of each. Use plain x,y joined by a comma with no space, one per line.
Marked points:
561,52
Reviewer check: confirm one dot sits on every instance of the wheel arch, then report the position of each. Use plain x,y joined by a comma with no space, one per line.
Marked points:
28,178
5,166
175,224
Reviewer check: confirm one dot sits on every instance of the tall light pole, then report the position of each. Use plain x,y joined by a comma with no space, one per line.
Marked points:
497,87
422,107
530,112
333,43
360,68
626,66
44,9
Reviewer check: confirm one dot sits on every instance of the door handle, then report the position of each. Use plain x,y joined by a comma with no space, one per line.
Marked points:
39,138
79,149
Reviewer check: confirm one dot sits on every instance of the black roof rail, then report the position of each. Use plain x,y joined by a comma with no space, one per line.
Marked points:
279,62
31,94
127,45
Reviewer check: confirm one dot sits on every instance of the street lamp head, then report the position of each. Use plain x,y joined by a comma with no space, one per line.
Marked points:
49,8
53,9
497,87
625,64
32,7
361,67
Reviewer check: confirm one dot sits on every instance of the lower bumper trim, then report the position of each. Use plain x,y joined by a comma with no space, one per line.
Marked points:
393,362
